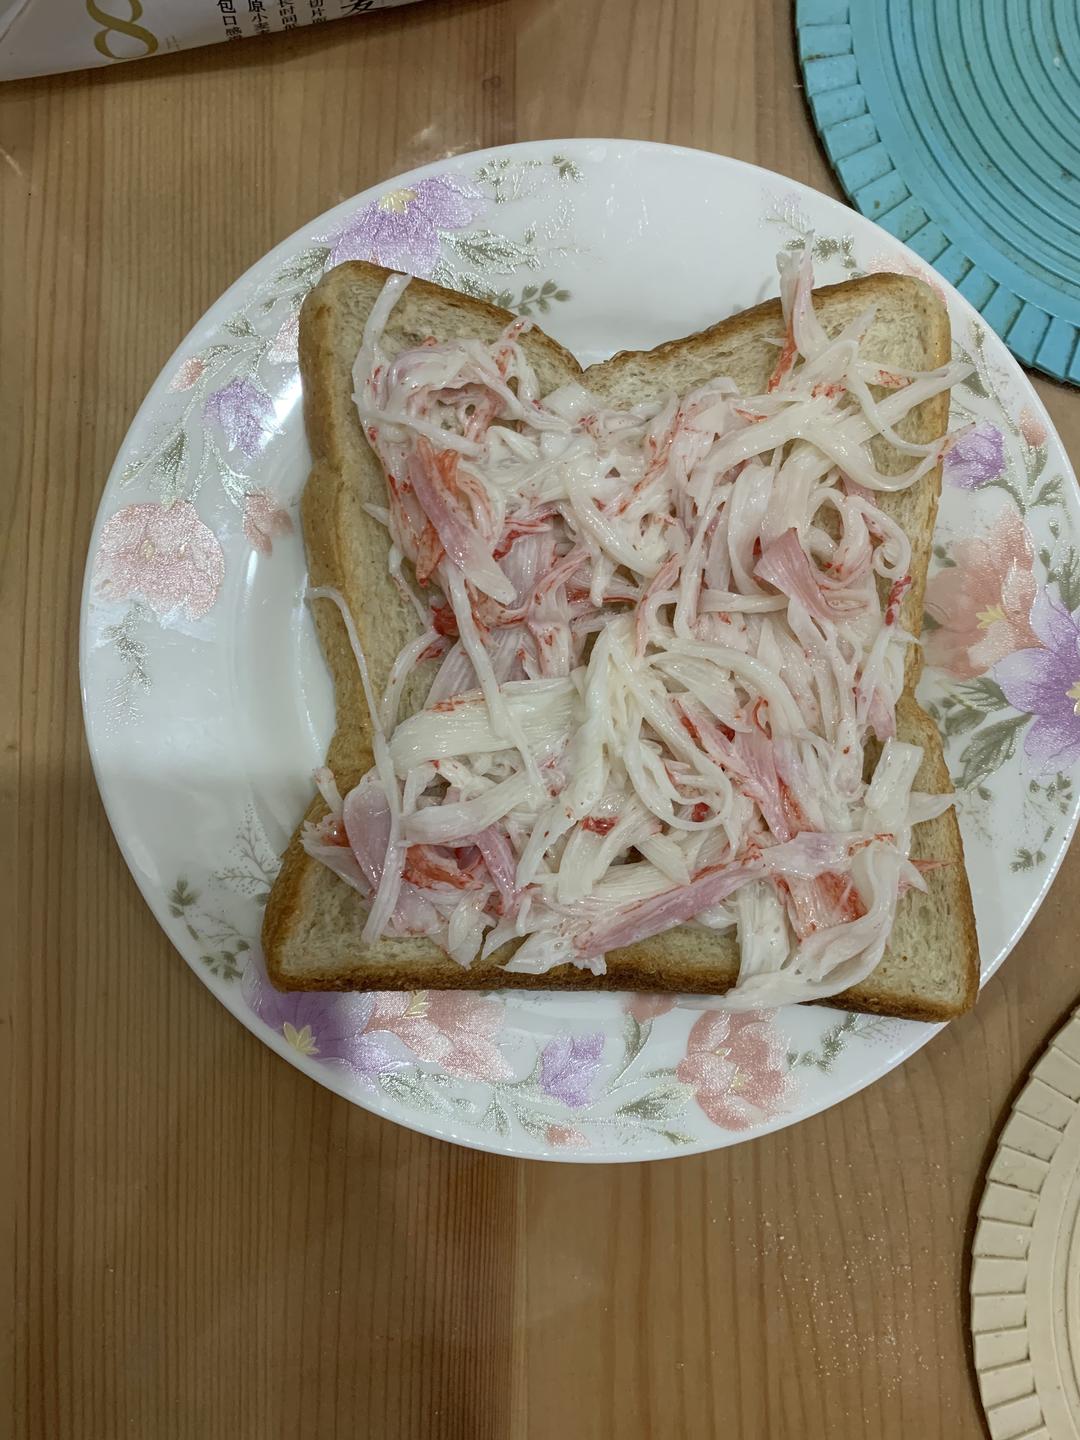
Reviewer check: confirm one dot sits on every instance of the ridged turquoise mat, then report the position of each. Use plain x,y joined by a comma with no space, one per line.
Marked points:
955,125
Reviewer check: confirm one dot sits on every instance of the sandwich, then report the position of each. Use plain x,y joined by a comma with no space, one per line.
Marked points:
624,658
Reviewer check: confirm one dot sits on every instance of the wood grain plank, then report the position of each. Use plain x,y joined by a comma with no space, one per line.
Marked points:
199,1241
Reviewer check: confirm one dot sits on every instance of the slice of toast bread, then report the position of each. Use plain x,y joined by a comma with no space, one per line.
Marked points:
313,921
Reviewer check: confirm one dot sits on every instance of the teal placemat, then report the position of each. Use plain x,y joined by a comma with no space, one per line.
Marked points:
955,124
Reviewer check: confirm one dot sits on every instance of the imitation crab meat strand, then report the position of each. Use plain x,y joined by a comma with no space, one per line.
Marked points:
664,636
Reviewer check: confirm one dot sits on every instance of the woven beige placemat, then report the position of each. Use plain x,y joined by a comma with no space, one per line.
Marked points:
1025,1272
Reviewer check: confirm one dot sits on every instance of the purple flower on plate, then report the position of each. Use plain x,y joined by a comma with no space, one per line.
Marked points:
244,411
401,228
1046,684
568,1067
977,458
322,1026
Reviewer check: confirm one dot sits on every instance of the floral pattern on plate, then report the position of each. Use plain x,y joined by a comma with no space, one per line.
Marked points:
1003,621
224,419
162,554
194,595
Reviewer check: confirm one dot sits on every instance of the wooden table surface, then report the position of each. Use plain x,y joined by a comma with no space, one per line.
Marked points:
197,1240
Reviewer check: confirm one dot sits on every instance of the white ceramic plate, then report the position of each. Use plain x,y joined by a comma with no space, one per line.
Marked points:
207,702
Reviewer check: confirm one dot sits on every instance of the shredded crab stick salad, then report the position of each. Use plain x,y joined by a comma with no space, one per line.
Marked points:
663,652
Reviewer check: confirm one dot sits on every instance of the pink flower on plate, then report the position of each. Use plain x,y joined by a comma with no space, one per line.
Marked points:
472,1024
565,1137
264,521
648,1007
401,229
452,1028
1032,427
163,555
982,602
737,1065
189,374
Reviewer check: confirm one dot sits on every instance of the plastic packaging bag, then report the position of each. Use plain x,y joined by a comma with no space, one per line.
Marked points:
36,40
